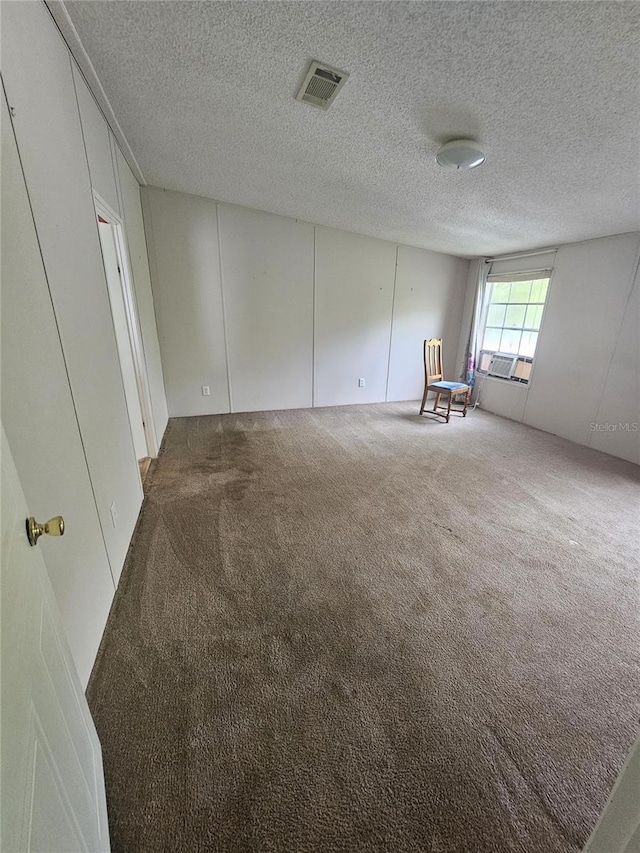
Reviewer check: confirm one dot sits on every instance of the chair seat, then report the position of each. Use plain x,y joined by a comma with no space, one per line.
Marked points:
449,386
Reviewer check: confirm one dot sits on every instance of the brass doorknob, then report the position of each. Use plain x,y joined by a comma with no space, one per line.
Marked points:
53,527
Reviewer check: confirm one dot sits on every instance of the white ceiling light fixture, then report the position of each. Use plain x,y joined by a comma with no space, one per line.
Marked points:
460,154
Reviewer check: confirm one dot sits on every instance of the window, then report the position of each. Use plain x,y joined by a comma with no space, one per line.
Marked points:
513,314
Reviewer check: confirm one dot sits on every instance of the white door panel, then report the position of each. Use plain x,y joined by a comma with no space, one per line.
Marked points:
40,422
53,796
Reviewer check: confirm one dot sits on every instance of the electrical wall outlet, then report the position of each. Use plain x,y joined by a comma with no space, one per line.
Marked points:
206,391
361,383
114,514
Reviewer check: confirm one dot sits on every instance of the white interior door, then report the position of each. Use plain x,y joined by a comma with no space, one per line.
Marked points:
39,418
53,796
113,273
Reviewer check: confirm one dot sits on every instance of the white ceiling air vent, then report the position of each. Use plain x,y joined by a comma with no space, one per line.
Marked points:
321,85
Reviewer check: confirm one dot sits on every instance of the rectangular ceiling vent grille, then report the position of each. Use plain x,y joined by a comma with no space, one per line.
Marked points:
321,85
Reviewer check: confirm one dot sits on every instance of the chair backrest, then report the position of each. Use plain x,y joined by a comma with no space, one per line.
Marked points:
433,370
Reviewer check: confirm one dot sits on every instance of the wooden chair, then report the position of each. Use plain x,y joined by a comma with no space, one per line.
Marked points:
433,381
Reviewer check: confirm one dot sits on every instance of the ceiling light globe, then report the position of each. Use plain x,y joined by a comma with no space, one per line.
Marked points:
460,154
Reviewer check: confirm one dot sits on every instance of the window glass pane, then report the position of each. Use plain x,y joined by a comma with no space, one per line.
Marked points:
510,341
528,344
492,339
520,291
534,316
523,370
495,316
500,291
515,316
485,361
539,290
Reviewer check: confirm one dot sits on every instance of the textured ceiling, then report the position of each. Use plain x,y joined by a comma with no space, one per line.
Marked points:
204,92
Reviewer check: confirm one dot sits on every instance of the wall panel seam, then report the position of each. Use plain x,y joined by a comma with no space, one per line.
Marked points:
224,313
393,311
313,342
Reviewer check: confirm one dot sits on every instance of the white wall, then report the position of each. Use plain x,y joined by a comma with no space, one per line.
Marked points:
620,400
97,142
425,300
66,148
268,305
354,306
587,365
185,273
113,180
292,314
618,828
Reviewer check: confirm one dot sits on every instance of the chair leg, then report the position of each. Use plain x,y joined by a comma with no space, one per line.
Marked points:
424,399
466,403
448,406
437,402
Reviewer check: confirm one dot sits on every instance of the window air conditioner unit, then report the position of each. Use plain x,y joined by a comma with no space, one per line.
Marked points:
502,365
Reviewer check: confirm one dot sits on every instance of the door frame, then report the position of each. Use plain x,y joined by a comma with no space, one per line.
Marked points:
133,324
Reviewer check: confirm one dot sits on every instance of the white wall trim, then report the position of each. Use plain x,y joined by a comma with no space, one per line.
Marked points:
105,210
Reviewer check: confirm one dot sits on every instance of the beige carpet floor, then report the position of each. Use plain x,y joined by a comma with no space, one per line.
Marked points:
353,629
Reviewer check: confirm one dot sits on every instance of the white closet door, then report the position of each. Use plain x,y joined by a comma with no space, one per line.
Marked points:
40,421
53,796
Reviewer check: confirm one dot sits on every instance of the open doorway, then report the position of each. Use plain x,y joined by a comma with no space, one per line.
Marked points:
127,334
